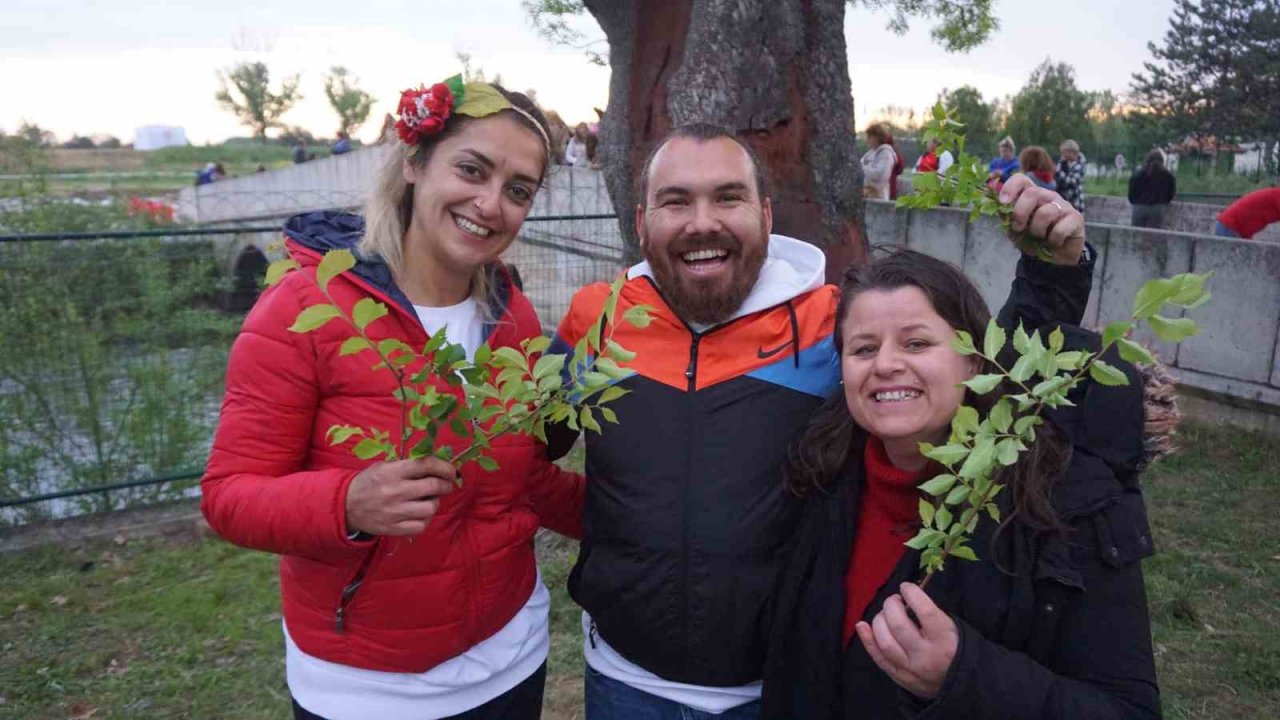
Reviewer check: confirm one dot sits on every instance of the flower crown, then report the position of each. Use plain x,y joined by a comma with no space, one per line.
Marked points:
423,112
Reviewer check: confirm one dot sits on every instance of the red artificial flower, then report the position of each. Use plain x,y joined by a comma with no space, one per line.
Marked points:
423,112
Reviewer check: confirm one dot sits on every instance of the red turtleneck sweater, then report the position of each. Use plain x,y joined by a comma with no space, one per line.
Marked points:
887,515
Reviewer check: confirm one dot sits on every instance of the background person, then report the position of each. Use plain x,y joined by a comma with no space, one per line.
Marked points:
1070,174
1003,165
1051,619
1151,189
1037,165
403,596
576,152
878,163
343,145
933,160
1247,216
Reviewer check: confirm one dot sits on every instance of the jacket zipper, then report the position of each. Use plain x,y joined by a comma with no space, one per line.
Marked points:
351,588
691,373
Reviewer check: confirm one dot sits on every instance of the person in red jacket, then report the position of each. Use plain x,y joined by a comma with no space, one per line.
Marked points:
1247,216
403,595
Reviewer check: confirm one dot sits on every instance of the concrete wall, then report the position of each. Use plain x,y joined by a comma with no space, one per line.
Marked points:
1179,217
1235,356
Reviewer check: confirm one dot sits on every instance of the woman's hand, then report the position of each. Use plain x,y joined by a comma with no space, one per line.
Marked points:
1045,215
398,498
915,656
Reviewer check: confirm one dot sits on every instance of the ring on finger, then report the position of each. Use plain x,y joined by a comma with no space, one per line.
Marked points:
1056,205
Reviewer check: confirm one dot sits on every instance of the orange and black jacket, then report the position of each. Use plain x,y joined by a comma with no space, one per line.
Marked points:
686,519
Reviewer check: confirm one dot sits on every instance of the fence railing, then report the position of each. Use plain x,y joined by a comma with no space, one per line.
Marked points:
116,342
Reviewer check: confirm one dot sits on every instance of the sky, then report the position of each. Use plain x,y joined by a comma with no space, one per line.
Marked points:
108,67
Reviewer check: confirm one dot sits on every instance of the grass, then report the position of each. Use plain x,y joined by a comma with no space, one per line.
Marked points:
190,627
1222,183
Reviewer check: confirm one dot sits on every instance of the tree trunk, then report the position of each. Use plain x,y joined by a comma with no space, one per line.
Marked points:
774,71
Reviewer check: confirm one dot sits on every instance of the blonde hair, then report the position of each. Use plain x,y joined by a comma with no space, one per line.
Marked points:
1007,142
1069,145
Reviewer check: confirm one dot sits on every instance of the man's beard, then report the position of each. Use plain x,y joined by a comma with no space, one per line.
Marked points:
706,303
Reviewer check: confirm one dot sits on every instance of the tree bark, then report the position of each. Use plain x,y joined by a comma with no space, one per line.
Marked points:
773,71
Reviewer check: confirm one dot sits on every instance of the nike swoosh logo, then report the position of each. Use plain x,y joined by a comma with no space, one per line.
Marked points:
766,354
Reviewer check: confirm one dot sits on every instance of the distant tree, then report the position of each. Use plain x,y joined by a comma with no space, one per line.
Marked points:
293,134
474,74
1218,72
246,92
36,135
110,142
978,116
79,142
1050,109
347,99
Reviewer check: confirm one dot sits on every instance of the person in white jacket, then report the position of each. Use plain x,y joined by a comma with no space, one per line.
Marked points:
877,163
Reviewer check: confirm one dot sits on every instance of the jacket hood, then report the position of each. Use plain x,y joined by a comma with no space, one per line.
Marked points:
791,268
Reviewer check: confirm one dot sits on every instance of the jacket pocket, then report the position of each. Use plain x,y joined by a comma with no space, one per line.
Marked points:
1123,531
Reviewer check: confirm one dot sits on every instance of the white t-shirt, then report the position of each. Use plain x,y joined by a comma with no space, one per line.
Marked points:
482,673
609,662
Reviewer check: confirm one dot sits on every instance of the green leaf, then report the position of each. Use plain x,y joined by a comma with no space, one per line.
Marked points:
924,538
313,318
1027,421
587,420
339,434
637,316
942,519
965,422
1105,374
946,454
484,354
1050,386
1007,451
979,460
548,365
926,512
993,511
1021,342
537,344
958,493
963,341
1056,339
1152,295
353,345
366,311
1023,369
608,414
488,463
435,342
335,263
619,353
1189,289
1115,331
993,341
983,384
278,269
611,304
611,393
1135,353
1002,415
368,449
511,358
938,485
480,99
964,552
1173,330
609,367
1072,359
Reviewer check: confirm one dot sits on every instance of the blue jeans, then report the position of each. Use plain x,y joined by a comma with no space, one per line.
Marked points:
608,699
1223,231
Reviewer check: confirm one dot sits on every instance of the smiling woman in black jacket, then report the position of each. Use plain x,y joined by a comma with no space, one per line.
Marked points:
1050,622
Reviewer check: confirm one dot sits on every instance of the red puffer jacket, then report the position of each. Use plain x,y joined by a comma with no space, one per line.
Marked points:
274,483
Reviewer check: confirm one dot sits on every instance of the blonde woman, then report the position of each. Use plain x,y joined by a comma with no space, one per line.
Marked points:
403,595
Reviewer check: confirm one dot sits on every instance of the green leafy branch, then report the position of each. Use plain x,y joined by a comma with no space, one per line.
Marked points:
501,390
1044,375
964,184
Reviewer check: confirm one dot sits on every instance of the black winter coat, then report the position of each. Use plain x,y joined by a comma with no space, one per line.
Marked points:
1057,630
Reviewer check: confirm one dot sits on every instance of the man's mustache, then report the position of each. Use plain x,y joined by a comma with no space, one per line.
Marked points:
715,241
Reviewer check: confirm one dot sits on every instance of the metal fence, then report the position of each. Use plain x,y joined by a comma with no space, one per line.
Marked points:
115,347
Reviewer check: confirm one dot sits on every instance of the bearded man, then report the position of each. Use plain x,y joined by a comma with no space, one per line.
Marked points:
686,518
